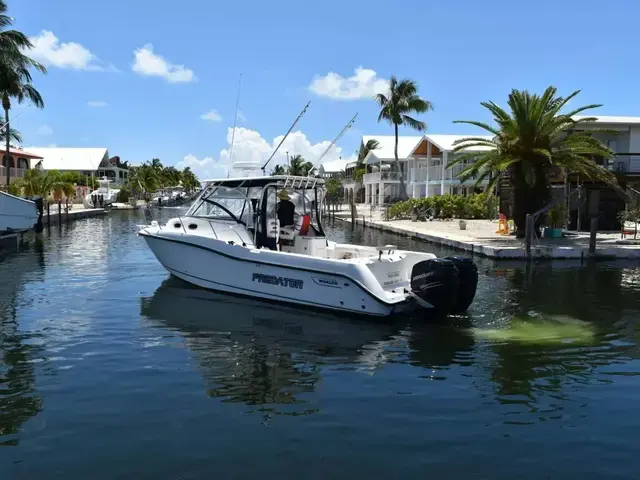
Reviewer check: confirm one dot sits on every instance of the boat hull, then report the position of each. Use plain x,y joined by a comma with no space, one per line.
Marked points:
222,271
16,214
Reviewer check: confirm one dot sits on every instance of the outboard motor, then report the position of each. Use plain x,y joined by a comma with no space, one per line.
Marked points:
436,282
467,283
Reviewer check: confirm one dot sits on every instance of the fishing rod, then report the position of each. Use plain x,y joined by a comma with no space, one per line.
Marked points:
347,127
285,137
235,120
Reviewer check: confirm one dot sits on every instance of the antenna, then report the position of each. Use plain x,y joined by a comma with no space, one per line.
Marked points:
347,127
285,137
235,119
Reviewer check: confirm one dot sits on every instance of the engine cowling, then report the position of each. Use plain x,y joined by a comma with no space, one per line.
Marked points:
436,282
467,283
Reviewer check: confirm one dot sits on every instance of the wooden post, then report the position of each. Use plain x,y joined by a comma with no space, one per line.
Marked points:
528,235
592,235
353,214
59,212
48,214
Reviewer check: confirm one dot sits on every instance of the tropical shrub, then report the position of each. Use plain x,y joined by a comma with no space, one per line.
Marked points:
447,206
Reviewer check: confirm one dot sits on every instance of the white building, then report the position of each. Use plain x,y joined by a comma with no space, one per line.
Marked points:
332,169
86,161
424,163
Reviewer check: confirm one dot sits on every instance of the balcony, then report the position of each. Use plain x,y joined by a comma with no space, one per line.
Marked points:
15,173
349,182
624,164
378,177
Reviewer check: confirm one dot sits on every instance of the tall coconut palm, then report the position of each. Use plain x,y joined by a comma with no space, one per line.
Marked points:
401,100
299,166
15,77
279,170
530,142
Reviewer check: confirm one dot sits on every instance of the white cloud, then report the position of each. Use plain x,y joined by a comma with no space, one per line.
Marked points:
44,130
48,50
251,148
97,103
149,64
211,115
364,83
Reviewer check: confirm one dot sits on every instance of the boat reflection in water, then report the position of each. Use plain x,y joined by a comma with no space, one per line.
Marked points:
264,354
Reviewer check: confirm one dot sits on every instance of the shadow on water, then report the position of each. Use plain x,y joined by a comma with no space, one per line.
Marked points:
19,400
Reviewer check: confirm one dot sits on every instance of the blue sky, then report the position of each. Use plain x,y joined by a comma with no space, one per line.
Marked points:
152,69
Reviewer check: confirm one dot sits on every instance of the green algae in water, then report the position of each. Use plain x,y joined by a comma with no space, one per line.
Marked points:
549,330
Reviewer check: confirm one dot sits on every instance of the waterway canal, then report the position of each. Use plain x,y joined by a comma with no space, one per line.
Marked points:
109,369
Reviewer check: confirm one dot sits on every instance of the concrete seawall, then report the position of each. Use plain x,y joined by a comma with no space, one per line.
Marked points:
510,250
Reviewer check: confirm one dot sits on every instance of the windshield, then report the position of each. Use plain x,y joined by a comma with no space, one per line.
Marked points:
225,203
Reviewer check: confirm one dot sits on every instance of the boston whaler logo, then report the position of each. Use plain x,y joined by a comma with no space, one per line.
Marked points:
278,281
326,282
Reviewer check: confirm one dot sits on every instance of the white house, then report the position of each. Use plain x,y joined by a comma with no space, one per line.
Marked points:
424,163
331,169
86,161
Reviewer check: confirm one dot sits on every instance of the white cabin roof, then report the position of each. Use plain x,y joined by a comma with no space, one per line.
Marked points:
70,158
334,166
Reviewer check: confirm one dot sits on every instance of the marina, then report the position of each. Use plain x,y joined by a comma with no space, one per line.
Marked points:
170,380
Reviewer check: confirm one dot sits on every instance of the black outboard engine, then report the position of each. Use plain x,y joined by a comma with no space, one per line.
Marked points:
436,282
467,283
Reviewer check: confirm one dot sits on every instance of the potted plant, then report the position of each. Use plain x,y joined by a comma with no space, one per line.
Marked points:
555,217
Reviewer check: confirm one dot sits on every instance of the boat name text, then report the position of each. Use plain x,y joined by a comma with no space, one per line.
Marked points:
278,281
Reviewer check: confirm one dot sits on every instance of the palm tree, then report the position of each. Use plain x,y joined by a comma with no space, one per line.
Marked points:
14,135
401,100
279,170
530,142
189,180
300,167
15,78
144,179
41,183
366,148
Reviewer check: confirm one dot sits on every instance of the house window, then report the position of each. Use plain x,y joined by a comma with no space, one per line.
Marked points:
4,162
121,174
613,145
23,163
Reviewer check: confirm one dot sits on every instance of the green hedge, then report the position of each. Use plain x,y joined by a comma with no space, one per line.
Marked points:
478,205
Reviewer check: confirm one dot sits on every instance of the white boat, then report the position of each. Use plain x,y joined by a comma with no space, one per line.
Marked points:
104,191
230,240
16,214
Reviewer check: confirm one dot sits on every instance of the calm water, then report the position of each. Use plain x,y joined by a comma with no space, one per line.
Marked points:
110,369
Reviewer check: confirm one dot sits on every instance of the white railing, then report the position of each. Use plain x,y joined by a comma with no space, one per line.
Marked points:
378,177
625,164
419,174
15,173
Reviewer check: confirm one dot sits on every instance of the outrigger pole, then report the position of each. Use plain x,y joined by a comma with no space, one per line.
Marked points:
285,137
347,127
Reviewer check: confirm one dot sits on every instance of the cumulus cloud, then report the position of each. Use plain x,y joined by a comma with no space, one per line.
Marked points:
364,83
211,115
250,148
147,63
48,50
44,130
97,103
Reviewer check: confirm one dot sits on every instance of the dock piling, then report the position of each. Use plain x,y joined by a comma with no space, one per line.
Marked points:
592,235
528,235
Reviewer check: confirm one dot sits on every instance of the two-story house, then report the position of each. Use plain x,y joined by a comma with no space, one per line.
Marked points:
424,162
